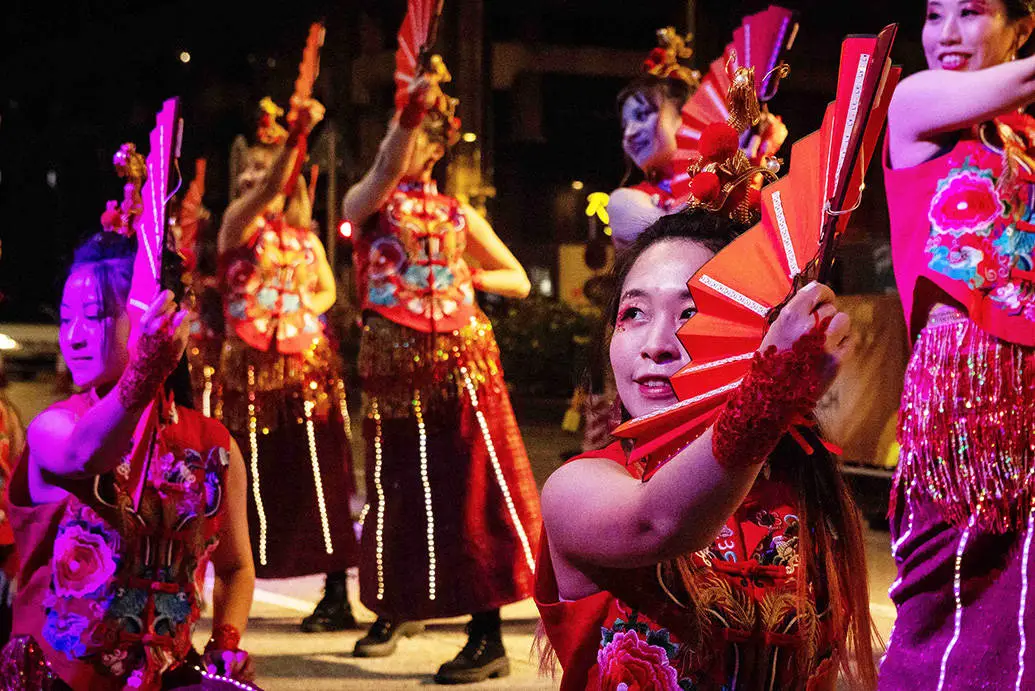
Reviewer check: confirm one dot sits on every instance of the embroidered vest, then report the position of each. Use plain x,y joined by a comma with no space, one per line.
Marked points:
268,282
410,264
954,226
111,589
634,633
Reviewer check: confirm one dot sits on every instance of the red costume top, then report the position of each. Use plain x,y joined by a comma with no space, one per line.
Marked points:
633,633
269,281
954,231
660,194
410,265
111,590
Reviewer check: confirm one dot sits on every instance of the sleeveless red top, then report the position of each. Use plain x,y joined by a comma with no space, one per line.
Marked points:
410,265
110,589
660,195
630,635
954,232
268,282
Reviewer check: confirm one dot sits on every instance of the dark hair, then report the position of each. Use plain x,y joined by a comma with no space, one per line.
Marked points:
110,256
1019,9
709,230
656,89
437,127
830,542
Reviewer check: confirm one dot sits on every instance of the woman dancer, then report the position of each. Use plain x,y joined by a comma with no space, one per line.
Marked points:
453,517
739,562
649,107
958,177
119,503
282,395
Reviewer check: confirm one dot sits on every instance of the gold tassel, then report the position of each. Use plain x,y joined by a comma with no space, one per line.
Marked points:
742,100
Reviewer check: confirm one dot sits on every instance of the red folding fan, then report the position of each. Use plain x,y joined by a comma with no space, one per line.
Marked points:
758,42
416,37
190,217
150,225
740,291
308,71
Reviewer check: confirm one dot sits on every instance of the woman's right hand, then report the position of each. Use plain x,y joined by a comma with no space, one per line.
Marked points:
810,306
161,335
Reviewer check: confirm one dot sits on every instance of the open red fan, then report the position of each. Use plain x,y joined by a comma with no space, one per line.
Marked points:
308,71
190,217
758,42
740,291
416,37
151,223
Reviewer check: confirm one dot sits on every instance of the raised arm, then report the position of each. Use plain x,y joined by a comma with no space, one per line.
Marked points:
367,196
501,272
934,103
631,212
596,515
63,449
242,212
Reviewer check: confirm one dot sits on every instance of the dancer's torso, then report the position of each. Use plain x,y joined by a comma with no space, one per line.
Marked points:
410,265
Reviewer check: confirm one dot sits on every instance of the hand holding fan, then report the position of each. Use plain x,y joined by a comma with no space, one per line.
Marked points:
739,292
416,37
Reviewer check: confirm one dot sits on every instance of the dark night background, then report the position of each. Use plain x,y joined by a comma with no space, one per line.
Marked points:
78,78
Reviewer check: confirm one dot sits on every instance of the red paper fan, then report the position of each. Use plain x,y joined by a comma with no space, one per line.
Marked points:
308,71
740,290
151,224
416,36
190,217
758,42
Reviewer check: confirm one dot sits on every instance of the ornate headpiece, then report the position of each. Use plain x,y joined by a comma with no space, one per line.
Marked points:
270,131
119,217
663,61
445,105
723,179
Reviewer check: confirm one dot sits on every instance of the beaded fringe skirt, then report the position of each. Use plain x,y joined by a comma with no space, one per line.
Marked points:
452,520
289,416
967,426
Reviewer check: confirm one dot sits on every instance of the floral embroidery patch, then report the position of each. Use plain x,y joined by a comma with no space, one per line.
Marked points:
979,238
633,655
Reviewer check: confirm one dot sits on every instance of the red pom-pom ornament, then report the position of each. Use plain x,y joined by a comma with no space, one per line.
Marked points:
719,141
705,186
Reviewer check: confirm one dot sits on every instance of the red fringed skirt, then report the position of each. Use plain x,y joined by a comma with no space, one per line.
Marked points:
452,519
963,514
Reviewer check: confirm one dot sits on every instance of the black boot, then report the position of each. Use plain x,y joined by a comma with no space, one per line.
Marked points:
333,612
483,657
383,637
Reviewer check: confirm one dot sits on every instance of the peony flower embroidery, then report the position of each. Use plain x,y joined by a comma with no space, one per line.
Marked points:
83,562
65,632
629,662
966,202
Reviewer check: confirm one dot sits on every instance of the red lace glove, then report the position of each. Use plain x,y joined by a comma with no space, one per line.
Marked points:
161,338
223,657
155,360
781,387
